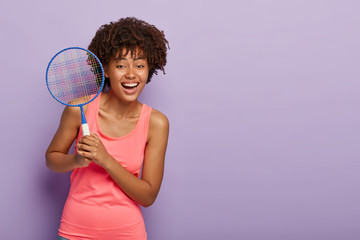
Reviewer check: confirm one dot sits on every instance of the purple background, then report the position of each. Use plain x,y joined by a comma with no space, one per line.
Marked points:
263,100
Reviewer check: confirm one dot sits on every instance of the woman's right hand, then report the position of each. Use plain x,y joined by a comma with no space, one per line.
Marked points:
81,161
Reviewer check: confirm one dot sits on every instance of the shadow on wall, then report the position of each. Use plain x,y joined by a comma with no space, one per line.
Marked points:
54,189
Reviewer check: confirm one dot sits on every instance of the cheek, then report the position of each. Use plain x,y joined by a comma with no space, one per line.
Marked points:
145,75
116,74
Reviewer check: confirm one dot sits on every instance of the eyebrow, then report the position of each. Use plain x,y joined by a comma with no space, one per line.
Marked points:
137,58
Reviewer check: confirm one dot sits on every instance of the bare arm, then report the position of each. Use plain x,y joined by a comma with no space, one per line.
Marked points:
144,190
57,157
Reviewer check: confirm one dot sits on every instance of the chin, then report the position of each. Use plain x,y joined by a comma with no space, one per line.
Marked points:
132,98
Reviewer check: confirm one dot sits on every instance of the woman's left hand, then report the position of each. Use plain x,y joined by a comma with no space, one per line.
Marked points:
92,148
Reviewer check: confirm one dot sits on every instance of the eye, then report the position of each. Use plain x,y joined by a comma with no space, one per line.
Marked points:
140,66
120,66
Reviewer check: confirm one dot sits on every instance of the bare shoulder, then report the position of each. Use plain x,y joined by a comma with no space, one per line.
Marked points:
158,120
71,117
158,126
73,112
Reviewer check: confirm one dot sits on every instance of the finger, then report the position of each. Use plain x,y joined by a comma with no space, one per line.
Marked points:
85,155
95,135
88,140
81,153
93,140
84,147
81,139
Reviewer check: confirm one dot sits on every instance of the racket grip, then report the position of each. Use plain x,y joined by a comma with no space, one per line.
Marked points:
85,129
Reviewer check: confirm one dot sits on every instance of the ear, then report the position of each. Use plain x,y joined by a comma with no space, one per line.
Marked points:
106,71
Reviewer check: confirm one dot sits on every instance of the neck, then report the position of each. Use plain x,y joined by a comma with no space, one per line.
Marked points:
120,108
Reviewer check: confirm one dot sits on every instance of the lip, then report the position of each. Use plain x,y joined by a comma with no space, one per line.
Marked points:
130,91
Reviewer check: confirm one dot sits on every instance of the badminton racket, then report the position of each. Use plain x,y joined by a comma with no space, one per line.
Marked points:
75,77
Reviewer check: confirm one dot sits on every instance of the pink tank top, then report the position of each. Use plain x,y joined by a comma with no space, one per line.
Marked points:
96,208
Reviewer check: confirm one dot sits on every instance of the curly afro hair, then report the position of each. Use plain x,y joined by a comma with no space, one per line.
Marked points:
130,34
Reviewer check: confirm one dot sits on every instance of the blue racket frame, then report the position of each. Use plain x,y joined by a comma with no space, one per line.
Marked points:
83,119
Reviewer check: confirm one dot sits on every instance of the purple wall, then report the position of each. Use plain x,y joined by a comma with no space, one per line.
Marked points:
263,99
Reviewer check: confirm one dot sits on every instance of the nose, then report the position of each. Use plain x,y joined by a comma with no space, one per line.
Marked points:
130,73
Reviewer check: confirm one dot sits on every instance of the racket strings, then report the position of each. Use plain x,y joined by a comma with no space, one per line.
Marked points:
73,75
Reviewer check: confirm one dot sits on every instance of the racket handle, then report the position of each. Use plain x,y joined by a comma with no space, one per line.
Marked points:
85,129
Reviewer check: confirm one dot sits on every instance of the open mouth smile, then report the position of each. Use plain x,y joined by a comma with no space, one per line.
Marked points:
130,88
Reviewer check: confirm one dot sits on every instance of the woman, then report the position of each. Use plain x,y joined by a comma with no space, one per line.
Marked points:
106,186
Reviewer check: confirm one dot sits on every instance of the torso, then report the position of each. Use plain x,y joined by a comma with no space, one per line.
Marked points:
96,206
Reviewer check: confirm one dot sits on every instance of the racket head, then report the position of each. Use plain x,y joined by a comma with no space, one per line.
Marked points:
75,76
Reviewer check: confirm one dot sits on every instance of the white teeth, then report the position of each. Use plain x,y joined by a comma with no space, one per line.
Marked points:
130,84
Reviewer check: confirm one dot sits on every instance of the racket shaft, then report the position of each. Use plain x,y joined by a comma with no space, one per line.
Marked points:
84,125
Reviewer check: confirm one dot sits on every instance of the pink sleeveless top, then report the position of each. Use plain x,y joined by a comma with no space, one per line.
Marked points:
96,208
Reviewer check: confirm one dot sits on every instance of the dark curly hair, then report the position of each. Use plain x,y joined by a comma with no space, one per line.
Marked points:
131,33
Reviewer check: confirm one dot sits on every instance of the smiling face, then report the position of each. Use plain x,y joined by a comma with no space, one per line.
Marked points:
128,75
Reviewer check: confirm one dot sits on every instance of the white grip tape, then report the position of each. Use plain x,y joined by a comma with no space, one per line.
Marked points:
85,129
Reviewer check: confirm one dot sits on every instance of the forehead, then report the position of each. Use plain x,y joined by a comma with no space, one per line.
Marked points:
130,53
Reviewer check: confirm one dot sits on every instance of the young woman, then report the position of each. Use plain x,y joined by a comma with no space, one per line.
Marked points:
106,187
